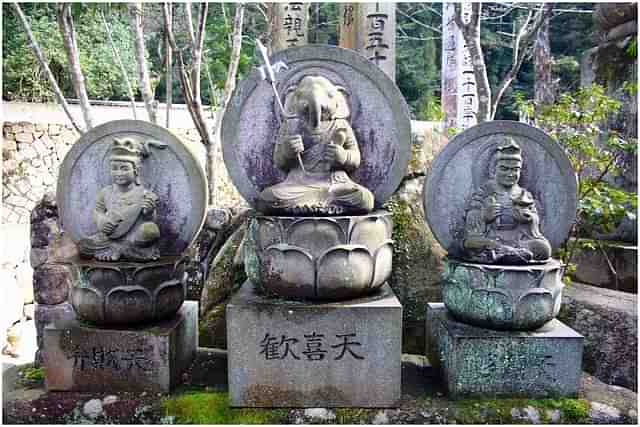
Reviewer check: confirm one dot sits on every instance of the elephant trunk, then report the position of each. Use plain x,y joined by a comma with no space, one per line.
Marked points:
315,113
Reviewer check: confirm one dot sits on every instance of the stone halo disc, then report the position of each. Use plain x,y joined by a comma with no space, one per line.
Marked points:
464,164
173,174
380,120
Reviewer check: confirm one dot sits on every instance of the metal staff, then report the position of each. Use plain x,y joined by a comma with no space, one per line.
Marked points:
268,73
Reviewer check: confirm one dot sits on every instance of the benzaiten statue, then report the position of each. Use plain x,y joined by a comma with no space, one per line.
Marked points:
502,225
319,159
125,212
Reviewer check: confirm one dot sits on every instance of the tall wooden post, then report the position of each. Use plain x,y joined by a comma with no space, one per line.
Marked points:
370,28
459,96
289,25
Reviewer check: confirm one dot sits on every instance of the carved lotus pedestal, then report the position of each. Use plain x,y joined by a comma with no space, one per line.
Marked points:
128,293
522,297
319,258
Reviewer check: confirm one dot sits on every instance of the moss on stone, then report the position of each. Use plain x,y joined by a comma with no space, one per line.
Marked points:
417,265
354,415
498,411
197,407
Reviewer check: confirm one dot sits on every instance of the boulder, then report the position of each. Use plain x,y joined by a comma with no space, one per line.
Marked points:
226,275
609,322
417,256
609,265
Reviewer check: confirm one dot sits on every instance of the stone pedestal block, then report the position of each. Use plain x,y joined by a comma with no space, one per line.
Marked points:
478,362
293,354
147,358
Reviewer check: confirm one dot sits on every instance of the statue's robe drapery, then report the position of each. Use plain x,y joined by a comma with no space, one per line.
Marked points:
321,187
135,233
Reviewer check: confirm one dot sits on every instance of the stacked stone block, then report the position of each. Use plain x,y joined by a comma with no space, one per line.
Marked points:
51,277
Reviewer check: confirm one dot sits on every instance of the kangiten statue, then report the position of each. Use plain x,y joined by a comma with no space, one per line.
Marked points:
125,212
502,225
319,159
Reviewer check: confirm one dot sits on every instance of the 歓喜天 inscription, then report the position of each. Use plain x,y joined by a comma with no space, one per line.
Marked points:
312,347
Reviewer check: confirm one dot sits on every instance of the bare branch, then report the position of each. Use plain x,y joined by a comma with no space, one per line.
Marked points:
45,66
123,70
65,23
422,24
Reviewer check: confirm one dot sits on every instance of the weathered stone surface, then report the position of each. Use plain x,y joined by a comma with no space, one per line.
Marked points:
517,297
464,165
51,283
379,118
608,320
622,399
594,267
225,277
173,174
477,362
417,262
46,314
152,358
314,355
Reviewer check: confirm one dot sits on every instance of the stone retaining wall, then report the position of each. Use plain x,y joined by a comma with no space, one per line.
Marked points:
32,154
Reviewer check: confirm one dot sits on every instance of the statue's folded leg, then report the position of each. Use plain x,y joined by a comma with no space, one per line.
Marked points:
352,196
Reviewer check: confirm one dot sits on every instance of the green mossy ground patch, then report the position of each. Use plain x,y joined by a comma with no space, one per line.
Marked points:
197,407
498,411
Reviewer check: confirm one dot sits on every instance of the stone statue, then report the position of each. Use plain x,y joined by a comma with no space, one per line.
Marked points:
317,160
125,212
502,225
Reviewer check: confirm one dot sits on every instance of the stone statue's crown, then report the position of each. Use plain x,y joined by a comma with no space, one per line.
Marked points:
508,150
127,150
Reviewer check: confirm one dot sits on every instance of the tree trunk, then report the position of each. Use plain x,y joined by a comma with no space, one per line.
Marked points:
144,82
169,67
123,70
544,90
65,23
45,66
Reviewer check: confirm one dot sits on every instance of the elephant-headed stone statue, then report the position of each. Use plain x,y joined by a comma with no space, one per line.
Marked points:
317,155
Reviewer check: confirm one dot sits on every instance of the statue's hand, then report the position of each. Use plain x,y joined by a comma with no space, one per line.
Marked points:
294,145
335,155
109,227
491,210
148,204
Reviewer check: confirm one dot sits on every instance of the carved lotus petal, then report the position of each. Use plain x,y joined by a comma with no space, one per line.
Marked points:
382,263
169,297
150,277
88,303
315,235
268,233
344,269
288,269
128,305
535,308
103,279
370,232
492,305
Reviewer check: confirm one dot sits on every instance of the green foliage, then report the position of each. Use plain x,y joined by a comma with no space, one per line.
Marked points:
579,123
25,81
213,408
30,376
428,108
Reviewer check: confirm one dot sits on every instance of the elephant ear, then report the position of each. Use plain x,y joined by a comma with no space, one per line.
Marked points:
342,104
289,101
